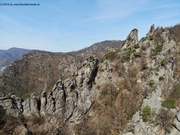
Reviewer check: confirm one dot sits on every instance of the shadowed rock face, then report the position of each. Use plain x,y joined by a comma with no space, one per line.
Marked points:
69,99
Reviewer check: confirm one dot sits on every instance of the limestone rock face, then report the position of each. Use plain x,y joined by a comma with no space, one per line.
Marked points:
151,31
34,104
162,65
31,106
176,123
131,40
43,102
12,105
69,99
105,73
21,130
26,107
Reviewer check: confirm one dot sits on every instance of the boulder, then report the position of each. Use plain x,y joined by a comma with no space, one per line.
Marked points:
11,106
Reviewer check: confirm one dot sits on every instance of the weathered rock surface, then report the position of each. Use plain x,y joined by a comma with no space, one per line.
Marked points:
131,40
12,105
95,87
68,101
151,31
21,130
165,71
176,124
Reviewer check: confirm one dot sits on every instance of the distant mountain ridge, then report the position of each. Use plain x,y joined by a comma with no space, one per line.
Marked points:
45,67
8,56
102,46
14,53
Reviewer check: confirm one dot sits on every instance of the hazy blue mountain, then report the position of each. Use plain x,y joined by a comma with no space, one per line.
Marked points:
8,56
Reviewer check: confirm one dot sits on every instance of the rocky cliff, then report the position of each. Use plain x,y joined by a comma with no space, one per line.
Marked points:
37,71
134,90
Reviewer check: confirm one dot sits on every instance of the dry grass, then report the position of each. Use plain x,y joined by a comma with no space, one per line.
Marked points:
10,124
174,33
165,119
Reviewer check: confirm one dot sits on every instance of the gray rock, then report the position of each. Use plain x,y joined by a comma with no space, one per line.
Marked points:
43,103
11,106
34,105
70,105
27,107
151,31
105,73
131,40
21,130
129,133
136,117
50,107
178,115
176,124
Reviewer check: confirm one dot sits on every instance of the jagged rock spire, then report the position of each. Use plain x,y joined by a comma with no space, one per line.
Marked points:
151,31
131,40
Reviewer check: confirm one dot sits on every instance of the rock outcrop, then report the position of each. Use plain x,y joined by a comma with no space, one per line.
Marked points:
131,40
12,105
162,66
109,97
69,100
176,122
151,31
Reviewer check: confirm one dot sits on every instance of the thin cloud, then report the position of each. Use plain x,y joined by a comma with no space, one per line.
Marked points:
160,7
166,16
116,9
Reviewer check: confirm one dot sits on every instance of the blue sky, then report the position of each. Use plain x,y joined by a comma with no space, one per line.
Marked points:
69,25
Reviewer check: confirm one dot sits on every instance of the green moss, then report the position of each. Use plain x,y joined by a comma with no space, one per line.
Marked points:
126,57
157,50
161,78
104,92
144,66
176,91
137,54
153,88
67,76
111,55
136,46
146,113
169,103
163,62
151,83
25,96
143,38
150,37
115,133
157,63
49,89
